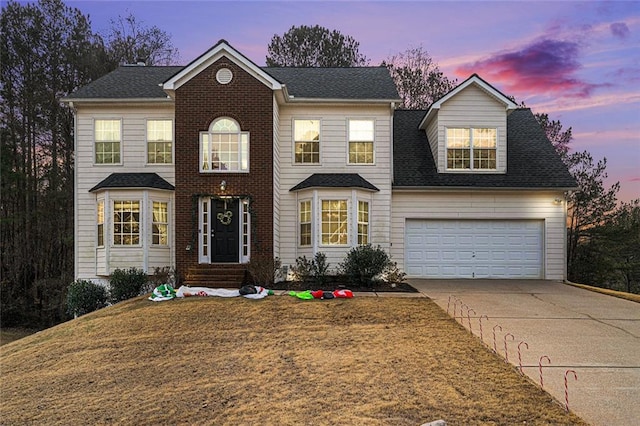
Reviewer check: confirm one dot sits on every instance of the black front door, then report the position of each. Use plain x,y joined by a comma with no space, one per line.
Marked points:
225,231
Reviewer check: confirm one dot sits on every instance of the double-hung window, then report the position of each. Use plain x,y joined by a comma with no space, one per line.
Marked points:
159,142
107,141
471,148
361,141
335,223
224,148
160,223
363,223
100,223
305,223
306,141
126,223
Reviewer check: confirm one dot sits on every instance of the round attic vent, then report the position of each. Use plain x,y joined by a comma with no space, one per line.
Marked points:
224,76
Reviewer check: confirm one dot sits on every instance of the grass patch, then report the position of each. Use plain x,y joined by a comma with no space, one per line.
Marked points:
367,360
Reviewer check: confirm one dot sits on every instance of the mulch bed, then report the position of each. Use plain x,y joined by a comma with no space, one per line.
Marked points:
336,283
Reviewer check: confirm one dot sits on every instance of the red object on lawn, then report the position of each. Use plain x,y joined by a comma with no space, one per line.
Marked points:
343,294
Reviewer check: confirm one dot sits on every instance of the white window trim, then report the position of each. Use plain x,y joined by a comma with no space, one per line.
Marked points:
93,148
348,139
151,222
357,221
105,223
311,223
346,198
146,141
470,169
141,222
293,142
240,157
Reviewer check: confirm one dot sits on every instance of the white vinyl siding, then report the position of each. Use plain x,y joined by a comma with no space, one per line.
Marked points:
471,108
334,159
92,262
487,205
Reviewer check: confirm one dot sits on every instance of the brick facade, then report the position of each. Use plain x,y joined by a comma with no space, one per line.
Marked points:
197,103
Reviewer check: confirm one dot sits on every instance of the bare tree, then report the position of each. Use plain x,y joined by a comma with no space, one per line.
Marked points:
418,78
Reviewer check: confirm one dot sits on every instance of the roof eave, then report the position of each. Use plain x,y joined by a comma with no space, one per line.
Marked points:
410,188
293,99
116,100
334,187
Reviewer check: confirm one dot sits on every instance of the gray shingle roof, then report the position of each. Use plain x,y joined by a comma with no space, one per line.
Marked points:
128,82
337,83
138,82
133,180
335,180
531,159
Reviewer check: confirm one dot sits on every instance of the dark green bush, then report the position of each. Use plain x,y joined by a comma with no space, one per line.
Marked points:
363,263
85,296
125,284
311,271
319,268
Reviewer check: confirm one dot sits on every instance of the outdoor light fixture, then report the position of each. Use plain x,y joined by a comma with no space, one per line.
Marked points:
557,201
223,185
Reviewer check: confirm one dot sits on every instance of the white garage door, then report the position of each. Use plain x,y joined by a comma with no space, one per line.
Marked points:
474,248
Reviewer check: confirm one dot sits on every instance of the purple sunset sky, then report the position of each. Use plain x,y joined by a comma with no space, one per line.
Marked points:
577,61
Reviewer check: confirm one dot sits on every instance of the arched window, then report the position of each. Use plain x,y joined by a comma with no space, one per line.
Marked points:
224,148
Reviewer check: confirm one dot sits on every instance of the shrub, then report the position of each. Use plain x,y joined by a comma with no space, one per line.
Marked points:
392,273
319,268
263,269
303,269
85,296
125,284
314,270
363,263
165,275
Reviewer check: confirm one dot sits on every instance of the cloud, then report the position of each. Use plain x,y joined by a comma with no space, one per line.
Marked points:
619,29
544,66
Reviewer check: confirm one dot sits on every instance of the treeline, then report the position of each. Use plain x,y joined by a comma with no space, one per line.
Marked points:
48,50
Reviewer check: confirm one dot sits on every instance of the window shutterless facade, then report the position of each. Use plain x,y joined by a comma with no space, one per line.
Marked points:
306,141
160,223
100,223
305,222
361,138
363,223
159,141
107,134
224,148
334,223
471,148
126,223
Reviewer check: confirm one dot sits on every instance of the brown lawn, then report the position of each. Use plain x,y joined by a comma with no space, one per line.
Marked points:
363,361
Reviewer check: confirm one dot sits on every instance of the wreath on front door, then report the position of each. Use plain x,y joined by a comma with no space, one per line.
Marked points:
225,218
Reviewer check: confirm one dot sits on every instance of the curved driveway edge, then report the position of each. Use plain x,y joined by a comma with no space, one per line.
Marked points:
593,334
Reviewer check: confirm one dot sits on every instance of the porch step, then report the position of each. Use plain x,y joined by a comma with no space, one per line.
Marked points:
216,276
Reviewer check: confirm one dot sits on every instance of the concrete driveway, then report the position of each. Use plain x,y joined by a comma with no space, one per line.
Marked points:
595,335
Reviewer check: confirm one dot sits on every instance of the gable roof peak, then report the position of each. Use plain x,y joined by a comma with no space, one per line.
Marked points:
476,80
221,49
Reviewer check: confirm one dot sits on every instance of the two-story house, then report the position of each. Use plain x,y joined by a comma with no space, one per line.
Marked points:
207,166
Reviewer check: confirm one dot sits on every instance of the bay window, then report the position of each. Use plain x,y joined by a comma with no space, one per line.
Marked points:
334,217
126,223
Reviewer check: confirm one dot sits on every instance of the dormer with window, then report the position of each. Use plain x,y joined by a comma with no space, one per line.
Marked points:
467,128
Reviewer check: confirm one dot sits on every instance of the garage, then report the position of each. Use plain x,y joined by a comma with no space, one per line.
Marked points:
474,248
